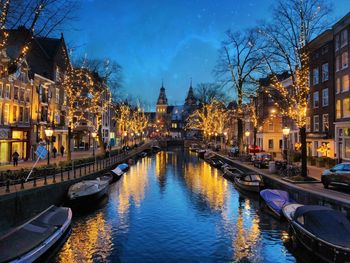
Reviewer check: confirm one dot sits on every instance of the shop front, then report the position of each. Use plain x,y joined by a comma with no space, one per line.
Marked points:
15,140
342,138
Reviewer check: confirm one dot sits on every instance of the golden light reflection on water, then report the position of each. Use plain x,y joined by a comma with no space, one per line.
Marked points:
247,233
90,241
204,179
132,186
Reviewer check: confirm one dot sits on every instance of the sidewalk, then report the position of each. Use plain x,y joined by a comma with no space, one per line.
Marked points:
59,158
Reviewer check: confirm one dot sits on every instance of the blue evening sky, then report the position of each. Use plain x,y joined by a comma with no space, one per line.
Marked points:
172,40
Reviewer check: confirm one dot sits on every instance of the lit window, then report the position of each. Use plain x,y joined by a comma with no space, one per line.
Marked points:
316,99
316,123
345,83
1,88
338,88
270,127
14,113
346,107
325,72
6,113
315,76
15,93
338,109
270,144
57,96
344,60
325,97
325,123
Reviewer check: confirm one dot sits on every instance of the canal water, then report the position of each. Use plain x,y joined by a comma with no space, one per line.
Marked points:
174,207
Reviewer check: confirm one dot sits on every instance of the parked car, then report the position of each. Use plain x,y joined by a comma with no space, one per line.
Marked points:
338,175
261,160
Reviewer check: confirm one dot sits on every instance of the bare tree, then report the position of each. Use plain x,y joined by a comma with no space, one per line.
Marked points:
207,92
240,60
38,17
110,72
295,23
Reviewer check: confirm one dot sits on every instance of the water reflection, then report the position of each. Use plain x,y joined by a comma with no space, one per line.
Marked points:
174,207
90,241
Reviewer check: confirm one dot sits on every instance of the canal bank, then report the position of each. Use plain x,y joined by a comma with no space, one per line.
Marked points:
311,194
21,204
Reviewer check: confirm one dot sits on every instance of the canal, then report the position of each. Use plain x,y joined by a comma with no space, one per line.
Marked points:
174,207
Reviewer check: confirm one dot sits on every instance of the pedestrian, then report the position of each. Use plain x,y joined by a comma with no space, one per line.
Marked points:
62,150
54,151
15,156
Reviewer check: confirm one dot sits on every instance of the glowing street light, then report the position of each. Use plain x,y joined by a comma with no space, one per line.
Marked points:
247,134
48,134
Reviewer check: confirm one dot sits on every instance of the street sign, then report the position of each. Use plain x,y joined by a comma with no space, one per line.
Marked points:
41,152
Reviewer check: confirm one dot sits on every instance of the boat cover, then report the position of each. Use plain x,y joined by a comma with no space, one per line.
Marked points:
117,171
27,237
123,166
276,199
325,223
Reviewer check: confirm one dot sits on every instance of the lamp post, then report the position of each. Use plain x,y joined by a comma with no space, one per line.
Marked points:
285,132
247,133
225,139
48,134
93,134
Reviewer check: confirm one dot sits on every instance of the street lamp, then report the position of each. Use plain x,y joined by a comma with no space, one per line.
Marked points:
285,132
48,134
93,134
247,133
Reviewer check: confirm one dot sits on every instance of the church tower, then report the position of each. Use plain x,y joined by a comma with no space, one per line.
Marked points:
162,102
190,99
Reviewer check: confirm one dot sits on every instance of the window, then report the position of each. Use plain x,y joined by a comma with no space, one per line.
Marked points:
346,107
21,94
14,113
15,93
338,88
308,124
347,148
27,96
345,83
325,97
316,123
316,99
337,42
26,114
21,114
325,72
270,127
7,91
338,110
1,88
344,60
344,38
315,76
271,144
6,113
325,123
337,63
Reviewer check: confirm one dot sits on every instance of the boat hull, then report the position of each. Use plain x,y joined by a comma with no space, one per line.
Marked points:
88,199
248,186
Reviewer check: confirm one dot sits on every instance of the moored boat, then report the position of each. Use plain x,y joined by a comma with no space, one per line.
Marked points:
156,149
249,182
33,240
216,162
200,153
231,172
275,200
107,177
194,147
87,191
322,230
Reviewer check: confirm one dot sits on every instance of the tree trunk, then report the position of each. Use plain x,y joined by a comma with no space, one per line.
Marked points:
303,151
240,135
69,153
100,141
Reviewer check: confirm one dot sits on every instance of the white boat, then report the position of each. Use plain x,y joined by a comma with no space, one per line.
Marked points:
32,240
87,191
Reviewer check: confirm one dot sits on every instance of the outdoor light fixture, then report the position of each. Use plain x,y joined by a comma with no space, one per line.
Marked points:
247,133
94,134
48,132
285,131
